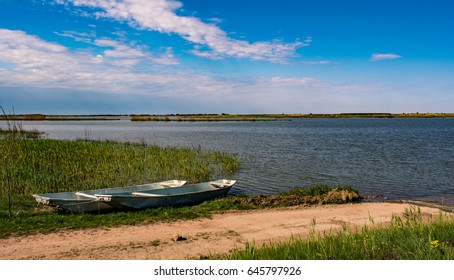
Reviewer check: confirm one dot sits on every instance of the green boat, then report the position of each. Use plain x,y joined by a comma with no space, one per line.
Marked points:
87,201
187,194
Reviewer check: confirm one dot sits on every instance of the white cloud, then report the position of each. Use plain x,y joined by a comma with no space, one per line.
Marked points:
25,51
165,58
384,56
160,15
322,62
33,62
131,54
37,64
118,50
77,36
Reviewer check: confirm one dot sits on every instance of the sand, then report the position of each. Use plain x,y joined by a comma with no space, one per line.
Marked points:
197,239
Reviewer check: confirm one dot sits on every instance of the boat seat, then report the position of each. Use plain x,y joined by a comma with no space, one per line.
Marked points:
85,195
168,185
218,185
147,194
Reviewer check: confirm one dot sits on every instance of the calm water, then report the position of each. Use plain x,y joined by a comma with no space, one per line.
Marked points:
396,158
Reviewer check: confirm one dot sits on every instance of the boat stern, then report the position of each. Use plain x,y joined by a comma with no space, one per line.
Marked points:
223,183
41,199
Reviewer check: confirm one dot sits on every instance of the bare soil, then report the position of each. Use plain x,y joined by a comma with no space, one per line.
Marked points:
196,239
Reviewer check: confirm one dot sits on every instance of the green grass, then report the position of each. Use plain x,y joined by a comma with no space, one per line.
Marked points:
410,238
45,166
29,218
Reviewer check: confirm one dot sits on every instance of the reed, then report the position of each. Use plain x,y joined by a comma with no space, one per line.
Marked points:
31,134
149,118
44,165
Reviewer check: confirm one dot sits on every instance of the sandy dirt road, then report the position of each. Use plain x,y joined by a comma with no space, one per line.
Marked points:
198,238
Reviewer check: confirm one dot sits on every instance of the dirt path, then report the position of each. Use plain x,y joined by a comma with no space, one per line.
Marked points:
218,235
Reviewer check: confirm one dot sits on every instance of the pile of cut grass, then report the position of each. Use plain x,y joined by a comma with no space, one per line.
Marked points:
313,195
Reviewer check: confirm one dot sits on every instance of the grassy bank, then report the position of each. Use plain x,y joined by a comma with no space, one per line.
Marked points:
277,117
30,218
410,238
205,118
41,117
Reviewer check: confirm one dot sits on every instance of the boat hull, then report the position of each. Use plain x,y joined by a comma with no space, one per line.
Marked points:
76,205
86,201
190,194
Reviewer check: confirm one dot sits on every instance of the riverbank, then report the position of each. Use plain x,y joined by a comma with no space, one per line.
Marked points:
198,239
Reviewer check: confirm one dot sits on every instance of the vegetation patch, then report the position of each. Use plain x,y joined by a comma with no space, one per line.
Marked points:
205,118
22,133
315,195
410,238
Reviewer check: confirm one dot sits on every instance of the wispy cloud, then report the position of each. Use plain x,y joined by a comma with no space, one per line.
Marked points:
123,53
316,62
209,40
384,56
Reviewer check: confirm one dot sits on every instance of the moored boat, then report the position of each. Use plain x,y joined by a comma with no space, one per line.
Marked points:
87,201
187,194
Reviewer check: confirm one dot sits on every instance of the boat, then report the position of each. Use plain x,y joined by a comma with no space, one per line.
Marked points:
87,201
187,194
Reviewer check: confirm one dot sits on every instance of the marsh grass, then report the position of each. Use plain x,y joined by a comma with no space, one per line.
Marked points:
45,166
412,237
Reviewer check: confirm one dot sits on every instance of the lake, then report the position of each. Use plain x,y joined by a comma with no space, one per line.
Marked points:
396,158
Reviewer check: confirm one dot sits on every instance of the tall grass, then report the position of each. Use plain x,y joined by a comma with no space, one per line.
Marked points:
409,238
44,165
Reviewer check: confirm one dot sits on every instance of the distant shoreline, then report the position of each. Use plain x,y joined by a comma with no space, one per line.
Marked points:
214,117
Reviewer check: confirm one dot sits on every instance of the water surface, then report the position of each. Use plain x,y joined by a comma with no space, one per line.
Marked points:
396,158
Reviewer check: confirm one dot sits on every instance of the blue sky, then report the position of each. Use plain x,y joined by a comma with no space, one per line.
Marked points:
249,56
